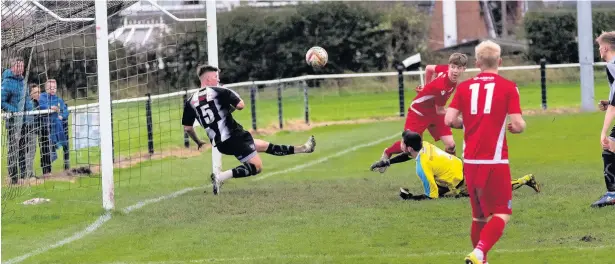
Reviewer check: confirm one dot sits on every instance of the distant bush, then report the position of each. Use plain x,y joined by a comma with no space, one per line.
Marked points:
553,35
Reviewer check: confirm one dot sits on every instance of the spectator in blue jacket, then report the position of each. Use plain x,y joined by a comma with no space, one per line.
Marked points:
58,120
42,130
20,128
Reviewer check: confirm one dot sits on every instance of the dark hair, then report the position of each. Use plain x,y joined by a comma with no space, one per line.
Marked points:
206,68
458,59
412,139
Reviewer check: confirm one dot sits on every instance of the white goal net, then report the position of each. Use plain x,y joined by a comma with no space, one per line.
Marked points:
51,113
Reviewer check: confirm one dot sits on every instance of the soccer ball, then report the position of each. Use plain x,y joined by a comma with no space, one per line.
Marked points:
316,57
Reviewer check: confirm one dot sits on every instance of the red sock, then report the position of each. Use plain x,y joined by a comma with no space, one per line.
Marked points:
477,227
393,149
491,234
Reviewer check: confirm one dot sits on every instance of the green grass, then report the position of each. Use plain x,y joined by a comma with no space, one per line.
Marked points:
334,103
333,212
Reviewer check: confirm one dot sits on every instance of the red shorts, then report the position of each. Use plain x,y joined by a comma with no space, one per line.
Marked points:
489,188
435,125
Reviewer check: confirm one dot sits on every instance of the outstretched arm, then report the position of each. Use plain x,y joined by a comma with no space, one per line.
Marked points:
386,163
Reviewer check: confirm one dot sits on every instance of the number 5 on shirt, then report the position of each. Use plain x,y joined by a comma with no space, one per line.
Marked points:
208,114
475,87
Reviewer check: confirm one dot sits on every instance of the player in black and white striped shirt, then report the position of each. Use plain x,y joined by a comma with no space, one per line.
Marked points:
606,41
212,106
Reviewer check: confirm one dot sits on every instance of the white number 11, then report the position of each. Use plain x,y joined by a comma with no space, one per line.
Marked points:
475,87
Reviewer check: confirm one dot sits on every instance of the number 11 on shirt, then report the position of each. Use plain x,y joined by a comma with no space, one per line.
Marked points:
475,87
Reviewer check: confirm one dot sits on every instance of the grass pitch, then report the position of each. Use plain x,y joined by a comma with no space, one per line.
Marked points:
333,211
320,208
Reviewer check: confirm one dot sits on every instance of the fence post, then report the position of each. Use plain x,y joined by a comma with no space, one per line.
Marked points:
150,126
543,82
280,115
400,81
306,104
186,137
253,105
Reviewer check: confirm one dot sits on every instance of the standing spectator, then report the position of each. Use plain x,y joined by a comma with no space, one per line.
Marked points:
42,127
49,100
19,127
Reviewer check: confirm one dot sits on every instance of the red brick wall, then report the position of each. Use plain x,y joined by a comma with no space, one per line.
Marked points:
470,24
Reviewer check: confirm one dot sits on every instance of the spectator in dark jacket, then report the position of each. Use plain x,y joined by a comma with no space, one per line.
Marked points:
58,120
19,127
42,127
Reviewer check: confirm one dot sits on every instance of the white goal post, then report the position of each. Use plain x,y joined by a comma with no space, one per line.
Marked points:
104,93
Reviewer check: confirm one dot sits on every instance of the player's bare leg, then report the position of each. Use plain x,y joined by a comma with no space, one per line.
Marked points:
528,180
283,150
449,144
254,165
250,168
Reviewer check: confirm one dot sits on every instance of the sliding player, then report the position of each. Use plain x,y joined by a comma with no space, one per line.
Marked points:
427,109
212,107
440,172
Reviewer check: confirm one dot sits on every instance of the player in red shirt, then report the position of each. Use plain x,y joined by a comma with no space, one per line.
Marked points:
483,103
427,111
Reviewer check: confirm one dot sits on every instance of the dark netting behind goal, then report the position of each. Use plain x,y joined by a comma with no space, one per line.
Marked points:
54,144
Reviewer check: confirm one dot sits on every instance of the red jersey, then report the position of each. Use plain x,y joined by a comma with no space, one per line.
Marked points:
436,92
484,102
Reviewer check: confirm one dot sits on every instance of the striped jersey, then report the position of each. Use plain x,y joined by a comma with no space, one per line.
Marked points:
610,75
211,107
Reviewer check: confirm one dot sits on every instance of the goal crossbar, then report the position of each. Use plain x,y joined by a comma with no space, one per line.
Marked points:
56,16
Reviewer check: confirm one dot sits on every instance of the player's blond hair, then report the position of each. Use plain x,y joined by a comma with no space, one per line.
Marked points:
607,38
488,54
458,59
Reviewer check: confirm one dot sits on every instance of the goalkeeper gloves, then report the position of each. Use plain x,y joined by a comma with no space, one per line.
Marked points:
406,195
380,164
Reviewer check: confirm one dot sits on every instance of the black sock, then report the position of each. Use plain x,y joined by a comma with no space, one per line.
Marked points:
244,170
609,170
280,150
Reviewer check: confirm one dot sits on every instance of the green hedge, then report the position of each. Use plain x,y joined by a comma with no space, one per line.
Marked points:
553,35
264,44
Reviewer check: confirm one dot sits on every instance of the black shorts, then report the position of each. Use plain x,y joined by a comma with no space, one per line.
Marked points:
240,144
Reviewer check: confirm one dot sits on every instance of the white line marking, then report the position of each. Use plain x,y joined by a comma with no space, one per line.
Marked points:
107,216
309,164
378,256
79,235
140,204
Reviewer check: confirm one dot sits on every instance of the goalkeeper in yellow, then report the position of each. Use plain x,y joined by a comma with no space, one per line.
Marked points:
440,172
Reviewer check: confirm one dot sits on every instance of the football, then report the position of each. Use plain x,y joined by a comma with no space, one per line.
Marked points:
316,57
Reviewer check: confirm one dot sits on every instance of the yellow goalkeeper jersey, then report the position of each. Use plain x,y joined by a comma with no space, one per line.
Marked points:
436,168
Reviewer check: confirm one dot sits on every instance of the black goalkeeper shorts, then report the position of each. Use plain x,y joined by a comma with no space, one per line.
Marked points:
240,144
